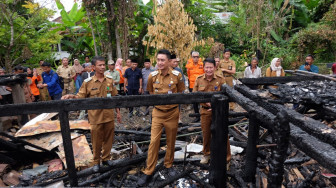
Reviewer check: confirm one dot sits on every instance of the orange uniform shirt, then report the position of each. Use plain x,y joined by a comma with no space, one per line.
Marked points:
194,71
35,91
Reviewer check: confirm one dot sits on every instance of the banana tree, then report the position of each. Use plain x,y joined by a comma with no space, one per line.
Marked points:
77,36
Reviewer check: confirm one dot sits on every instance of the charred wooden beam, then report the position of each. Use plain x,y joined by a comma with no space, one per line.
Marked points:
251,150
174,178
201,182
112,174
249,105
105,103
280,136
6,80
238,114
238,144
277,80
311,126
68,150
219,135
322,152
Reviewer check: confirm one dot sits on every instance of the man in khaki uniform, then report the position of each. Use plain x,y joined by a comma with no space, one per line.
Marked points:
68,73
228,67
163,81
44,94
102,120
209,82
218,71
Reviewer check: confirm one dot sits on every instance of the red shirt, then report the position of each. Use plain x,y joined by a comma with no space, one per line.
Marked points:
333,68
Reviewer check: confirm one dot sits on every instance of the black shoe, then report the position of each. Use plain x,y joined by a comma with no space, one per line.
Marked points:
96,168
171,172
108,163
144,179
196,120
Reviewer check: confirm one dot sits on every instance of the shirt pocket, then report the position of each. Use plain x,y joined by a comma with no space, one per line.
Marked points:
94,93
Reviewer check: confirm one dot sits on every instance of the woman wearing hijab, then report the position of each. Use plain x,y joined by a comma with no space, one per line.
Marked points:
275,70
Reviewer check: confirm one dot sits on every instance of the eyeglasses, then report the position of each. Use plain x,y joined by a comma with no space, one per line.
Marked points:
195,56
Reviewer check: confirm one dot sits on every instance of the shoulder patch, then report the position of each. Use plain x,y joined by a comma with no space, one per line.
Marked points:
88,79
154,73
175,72
109,76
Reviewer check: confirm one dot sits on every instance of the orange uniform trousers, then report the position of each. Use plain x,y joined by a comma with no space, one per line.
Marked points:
102,136
168,120
206,120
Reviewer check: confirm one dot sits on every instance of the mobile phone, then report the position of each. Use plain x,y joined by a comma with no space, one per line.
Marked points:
306,64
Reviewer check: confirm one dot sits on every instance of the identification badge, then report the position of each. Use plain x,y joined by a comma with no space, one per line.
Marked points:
108,95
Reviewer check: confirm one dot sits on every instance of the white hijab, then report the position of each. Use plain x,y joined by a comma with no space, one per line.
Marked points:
274,68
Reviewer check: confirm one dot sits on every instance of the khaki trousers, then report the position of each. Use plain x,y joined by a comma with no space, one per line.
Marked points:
44,94
168,120
68,88
102,136
206,120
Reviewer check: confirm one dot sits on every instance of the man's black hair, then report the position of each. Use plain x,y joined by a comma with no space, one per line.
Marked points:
41,60
227,50
46,64
165,52
87,56
97,58
147,60
25,69
310,55
173,56
134,61
209,60
18,67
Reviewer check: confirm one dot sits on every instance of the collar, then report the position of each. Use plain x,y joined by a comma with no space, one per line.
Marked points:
169,71
214,77
94,78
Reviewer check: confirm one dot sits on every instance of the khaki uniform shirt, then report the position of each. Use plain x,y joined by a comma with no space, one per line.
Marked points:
227,65
170,83
93,88
66,73
203,85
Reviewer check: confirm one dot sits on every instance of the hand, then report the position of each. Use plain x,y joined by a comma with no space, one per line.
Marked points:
307,67
9,89
119,117
140,90
40,86
209,105
69,96
125,89
0,97
32,98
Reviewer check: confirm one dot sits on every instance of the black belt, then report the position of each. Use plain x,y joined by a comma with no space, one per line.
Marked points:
166,110
206,107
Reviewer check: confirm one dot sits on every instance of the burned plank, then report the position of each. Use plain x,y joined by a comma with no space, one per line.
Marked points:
314,127
276,80
201,182
6,80
105,103
322,152
174,178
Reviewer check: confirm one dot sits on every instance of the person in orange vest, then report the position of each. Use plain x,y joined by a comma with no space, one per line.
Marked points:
194,69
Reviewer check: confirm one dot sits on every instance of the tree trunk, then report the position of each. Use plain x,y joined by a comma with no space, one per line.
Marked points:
93,34
110,17
118,41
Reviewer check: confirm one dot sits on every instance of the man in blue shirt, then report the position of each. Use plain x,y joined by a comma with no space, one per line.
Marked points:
145,73
50,80
133,82
308,66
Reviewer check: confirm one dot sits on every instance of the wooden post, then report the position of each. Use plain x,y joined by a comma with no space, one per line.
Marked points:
19,98
219,135
68,150
251,149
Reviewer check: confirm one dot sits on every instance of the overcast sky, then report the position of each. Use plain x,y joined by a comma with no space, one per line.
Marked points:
67,4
